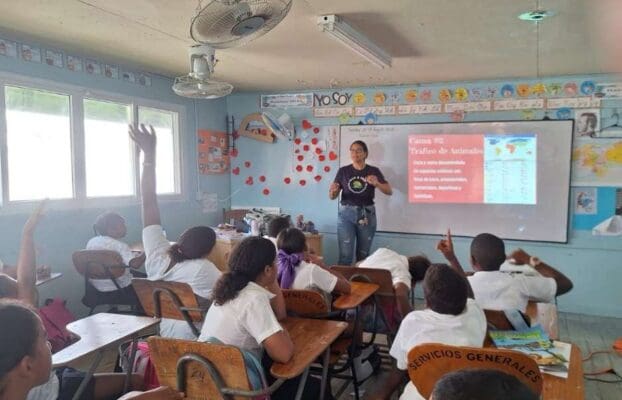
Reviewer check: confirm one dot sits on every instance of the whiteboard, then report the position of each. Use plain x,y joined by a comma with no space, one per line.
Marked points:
511,179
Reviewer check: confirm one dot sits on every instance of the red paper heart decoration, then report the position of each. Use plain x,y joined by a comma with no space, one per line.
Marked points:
236,171
303,182
297,151
301,157
306,147
314,140
266,191
287,180
249,180
322,157
332,156
262,178
297,140
327,168
316,130
318,150
309,168
306,124
299,168
234,152
247,164
317,178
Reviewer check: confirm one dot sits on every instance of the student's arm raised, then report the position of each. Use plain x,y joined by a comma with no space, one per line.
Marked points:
446,246
146,141
521,257
26,263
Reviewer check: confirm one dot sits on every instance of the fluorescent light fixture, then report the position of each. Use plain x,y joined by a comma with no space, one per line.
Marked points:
336,27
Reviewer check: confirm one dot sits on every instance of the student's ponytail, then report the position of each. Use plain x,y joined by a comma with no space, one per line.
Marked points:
248,260
196,242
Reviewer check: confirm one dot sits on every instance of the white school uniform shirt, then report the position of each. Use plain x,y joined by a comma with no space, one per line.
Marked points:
393,262
244,322
310,275
108,243
427,326
200,274
496,290
48,391
273,240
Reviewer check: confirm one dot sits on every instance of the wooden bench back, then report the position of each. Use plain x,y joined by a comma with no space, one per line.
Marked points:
98,264
427,363
227,362
305,303
171,296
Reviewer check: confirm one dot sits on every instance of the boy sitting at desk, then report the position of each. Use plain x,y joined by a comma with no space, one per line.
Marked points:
452,317
276,226
404,271
497,290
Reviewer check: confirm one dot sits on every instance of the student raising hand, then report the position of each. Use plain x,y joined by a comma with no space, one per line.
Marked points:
26,263
446,247
145,139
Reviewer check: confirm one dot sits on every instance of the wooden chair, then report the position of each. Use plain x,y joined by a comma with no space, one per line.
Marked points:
384,298
427,363
104,265
203,370
173,300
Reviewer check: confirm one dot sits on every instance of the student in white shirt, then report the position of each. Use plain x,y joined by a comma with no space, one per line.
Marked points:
496,290
404,272
109,229
185,261
452,318
481,384
298,270
275,226
247,306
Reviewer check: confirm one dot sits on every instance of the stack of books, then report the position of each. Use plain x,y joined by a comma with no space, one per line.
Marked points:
553,357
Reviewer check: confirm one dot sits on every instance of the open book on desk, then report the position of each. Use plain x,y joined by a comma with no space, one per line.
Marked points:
553,357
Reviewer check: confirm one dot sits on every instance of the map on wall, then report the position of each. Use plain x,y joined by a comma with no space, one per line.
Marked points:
597,163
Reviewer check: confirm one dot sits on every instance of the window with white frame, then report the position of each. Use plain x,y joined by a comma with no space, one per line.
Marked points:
61,144
38,137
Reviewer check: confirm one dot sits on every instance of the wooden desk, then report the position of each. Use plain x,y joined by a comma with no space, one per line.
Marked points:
53,275
311,338
96,333
224,246
571,388
360,291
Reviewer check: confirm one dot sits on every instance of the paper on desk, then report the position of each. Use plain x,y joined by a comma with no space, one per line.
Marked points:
609,227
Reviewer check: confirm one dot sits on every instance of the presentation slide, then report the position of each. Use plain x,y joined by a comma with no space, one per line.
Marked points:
475,168
511,179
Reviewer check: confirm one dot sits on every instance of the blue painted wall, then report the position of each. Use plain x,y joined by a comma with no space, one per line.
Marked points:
591,262
64,231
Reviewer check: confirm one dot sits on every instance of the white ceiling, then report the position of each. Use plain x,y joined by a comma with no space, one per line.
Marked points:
430,40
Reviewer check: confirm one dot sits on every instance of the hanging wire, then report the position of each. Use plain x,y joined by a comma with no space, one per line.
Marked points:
538,42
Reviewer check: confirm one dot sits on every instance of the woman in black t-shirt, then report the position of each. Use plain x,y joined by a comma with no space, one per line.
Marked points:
357,183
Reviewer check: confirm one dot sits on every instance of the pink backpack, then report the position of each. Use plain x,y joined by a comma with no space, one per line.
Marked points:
142,363
55,317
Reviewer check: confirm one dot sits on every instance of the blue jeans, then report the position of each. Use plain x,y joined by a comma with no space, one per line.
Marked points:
349,231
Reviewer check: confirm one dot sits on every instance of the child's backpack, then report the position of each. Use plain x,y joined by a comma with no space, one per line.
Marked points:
55,317
142,363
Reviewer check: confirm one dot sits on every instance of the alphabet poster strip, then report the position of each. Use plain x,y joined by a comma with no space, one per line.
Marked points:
472,106
573,102
408,109
303,100
331,112
518,104
380,110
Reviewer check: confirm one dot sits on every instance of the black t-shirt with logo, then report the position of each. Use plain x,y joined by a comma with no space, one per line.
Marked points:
355,191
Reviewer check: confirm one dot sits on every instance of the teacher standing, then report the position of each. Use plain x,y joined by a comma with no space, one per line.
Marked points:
357,184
